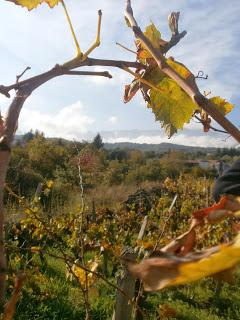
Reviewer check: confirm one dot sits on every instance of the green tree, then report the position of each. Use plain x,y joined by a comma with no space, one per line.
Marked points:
97,142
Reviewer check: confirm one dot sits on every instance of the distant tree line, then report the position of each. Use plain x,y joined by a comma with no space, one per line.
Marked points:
36,159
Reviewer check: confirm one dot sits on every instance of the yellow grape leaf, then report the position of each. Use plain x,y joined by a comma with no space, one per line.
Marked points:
222,105
35,249
154,36
172,107
86,279
32,4
225,258
169,270
49,184
145,244
179,68
28,211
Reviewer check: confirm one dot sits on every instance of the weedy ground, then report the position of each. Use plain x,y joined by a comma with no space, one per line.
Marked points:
47,295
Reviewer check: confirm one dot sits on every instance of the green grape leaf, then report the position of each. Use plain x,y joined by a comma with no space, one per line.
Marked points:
153,75
222,105
32,4
172,106
153,35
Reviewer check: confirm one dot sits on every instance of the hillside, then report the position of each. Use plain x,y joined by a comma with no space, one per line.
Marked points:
159,148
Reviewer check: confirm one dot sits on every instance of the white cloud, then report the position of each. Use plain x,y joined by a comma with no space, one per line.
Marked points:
70,122
113,120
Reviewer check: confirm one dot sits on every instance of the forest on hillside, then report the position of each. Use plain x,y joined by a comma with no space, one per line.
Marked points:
36,159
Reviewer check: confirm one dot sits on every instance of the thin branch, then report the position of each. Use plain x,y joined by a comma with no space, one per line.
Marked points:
20,75
10,307
36,81
89,73
144,81
72,29
125,48
170,213
97,41
210,127
173,19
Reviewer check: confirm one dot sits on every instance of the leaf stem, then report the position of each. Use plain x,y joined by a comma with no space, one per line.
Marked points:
71,28
125,48
137,76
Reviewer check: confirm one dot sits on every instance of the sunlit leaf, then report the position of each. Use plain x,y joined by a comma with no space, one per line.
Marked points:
49,184
179,68
228,206
32,4
85,278
183,244
172,107
222,105
202,213
35,249
168,270
154,36
146,244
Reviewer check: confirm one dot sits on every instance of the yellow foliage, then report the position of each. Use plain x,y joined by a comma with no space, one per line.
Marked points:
32,4
85,278
169,270
222,105
49,184
154,36
179,68
227,257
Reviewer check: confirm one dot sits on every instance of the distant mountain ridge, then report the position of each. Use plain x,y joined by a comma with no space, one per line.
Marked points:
160,148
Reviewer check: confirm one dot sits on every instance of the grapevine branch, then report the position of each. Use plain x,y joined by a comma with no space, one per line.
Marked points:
210,127
32,83
10,307
190,88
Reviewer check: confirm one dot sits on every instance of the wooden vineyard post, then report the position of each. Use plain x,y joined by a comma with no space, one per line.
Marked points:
126,282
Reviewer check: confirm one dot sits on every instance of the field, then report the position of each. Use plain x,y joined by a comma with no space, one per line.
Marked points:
69,237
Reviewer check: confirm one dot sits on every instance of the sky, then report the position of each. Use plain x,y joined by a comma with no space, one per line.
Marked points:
79,107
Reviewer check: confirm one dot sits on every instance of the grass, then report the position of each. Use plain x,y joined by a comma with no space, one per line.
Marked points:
48,295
